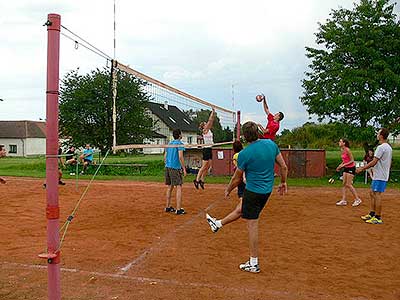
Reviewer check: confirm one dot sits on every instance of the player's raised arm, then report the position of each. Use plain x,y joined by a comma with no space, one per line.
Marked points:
210,121
265,105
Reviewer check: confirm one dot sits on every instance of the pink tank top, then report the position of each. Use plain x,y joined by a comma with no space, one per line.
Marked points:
346,158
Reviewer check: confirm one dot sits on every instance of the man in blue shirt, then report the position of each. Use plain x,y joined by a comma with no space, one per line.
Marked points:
86,157
174,169
257,161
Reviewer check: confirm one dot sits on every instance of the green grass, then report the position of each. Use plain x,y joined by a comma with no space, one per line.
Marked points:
35,167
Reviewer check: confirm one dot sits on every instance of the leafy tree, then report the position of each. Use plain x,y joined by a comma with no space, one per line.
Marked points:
86,109
354,76
220,134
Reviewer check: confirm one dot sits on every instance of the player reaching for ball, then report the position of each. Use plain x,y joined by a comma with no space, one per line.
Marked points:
269,132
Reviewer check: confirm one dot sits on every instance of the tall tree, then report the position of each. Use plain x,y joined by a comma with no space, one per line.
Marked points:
86,109
354,76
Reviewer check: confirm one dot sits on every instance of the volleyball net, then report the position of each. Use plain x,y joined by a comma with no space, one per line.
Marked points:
171,108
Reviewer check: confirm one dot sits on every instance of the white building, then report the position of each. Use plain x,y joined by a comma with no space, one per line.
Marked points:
167,118
23,138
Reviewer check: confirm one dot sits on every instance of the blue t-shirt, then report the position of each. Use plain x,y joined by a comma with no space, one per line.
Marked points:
86,152
172,159
257,160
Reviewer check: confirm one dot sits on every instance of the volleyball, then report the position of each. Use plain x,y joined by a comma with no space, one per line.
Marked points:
260,97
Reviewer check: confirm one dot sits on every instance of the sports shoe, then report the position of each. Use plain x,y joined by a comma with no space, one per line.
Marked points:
61,183
249,268
72,174
82,173
170,209
201,183
374,220
212,222
356,202
366,217
196,184
180,211
341,203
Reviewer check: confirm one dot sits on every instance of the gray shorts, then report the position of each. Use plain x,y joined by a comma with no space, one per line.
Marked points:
173,176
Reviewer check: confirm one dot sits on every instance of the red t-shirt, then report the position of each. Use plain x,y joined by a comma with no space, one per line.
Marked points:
272,127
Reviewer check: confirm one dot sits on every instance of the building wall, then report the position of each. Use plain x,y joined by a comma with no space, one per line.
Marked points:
35,146
10,144
24,147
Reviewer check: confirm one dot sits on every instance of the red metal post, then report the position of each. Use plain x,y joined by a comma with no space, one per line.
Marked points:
238,126
52,209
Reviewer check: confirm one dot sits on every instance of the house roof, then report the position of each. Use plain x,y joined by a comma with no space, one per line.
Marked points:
173,117
22,129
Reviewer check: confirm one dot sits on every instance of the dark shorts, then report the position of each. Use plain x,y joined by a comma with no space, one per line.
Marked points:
207,153
253,204
173,177
240,189
351,170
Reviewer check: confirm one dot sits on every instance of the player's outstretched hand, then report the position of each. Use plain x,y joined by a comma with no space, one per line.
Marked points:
359,170
282,188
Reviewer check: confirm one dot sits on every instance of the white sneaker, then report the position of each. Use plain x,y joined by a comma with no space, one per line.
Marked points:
212,222
249,268
72,174
341,203
356,202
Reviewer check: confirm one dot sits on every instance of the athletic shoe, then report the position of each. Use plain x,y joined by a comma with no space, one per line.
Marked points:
249,268
374,220
341,203
212,222
82,173
366,217
356,202
61,183
201,183
180,211
196,184
44,185
170,209
72,174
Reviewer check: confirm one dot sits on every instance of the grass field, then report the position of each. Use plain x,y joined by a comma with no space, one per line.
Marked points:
35,167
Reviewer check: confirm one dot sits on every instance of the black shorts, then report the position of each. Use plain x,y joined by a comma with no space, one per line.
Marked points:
207,153
351,170
253,204
240,189
87,161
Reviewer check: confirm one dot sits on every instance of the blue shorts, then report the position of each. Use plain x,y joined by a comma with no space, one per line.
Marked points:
378,186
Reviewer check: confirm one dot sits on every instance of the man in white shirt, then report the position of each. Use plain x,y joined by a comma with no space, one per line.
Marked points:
381,163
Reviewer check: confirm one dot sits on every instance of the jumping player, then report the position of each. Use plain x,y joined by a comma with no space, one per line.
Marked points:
349,169
381,163
269,132
207,151
237,212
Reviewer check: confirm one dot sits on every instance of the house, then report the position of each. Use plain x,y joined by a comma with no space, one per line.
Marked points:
23,138
167,118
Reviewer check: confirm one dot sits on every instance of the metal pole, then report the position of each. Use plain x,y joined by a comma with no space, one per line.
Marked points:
114,95
238,126
52,210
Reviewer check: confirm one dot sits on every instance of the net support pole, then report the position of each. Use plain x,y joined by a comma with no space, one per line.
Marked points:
238,125
114,97
52,210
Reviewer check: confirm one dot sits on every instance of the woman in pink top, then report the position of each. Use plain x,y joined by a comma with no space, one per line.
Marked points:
349,170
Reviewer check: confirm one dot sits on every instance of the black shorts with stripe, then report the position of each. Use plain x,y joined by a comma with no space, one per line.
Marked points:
253,204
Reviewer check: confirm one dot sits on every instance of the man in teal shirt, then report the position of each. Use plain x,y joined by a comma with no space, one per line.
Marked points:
174,169
257,161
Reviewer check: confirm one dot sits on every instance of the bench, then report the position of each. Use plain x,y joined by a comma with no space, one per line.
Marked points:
139,166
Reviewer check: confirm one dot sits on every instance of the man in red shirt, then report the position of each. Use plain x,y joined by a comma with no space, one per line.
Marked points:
269,132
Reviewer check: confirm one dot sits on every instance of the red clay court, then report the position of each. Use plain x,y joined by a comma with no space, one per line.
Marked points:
121,245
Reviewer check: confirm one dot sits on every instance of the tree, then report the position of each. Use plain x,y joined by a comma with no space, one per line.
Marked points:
86,109
355,76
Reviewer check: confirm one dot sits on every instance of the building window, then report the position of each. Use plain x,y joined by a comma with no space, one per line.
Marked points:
13,149
189,139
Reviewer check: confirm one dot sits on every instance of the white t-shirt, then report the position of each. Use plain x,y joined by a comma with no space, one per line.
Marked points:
382,169
208,137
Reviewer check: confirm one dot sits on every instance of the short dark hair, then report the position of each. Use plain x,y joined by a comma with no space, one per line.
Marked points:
1,147
176,133
281,116
237,146
384,132
250,131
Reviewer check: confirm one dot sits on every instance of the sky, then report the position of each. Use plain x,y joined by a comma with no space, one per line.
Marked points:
223,51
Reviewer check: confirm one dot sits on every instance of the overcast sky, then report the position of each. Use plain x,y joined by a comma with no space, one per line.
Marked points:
201,47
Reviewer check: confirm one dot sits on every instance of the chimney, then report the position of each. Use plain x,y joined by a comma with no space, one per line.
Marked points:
166,105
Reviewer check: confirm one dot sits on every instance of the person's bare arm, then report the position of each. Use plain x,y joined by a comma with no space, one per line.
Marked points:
266,108
368,165
282,188
236,179
210,121
182,161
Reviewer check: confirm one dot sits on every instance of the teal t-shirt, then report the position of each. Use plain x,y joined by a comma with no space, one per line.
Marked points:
89,153
172,159
257,161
